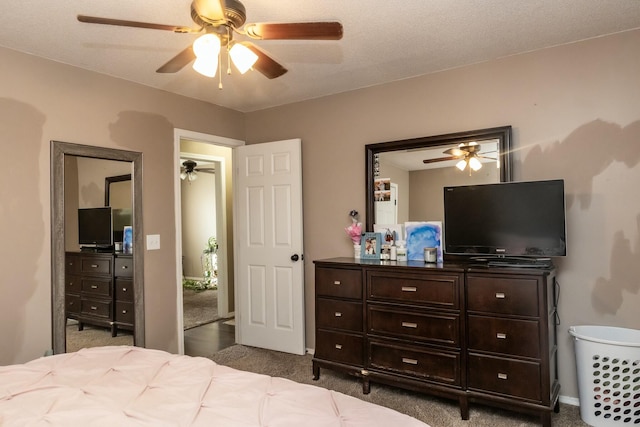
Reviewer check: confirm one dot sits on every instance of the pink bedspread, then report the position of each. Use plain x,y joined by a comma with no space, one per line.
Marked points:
131,386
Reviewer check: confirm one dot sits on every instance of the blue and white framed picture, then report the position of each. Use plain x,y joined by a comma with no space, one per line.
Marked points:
370,244
422,235
127,239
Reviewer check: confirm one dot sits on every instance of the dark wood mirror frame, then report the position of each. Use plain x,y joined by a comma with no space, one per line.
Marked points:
502,134
58,152
107,186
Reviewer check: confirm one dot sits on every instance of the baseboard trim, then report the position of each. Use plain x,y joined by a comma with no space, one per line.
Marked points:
573,401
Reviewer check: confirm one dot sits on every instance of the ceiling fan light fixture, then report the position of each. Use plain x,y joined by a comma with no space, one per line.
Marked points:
243,58
206,46
474,163
206,66
462,164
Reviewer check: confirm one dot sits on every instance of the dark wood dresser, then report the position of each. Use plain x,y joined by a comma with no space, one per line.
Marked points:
460,331
99,289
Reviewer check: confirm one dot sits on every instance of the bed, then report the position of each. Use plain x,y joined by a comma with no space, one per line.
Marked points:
132,386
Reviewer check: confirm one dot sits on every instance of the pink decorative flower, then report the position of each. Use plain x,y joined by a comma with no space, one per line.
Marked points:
355,229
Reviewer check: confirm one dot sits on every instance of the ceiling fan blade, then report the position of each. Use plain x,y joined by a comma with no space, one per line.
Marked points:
205,170
178,62
456,152
295,31
211,11
440,159
265,64
136,24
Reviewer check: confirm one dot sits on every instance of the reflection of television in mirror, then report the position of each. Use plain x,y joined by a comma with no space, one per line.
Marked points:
95,227
121,218
511,219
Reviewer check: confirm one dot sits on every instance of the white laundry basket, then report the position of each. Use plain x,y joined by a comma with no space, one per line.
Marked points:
608,364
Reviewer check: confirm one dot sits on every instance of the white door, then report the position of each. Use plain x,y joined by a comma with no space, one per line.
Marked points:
269,268
387,210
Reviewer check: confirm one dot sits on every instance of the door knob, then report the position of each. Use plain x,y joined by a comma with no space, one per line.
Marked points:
295,257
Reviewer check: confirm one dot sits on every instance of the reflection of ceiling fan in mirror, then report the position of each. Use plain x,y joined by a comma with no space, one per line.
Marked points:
189,170
219,20
468,154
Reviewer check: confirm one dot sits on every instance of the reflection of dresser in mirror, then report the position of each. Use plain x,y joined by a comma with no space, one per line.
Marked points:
99,290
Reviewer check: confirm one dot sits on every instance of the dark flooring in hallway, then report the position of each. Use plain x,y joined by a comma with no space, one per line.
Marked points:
208,339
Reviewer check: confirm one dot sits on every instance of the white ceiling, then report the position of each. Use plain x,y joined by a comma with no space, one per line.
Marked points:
383,40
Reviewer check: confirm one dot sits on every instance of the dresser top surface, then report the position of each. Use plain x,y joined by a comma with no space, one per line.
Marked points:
470,267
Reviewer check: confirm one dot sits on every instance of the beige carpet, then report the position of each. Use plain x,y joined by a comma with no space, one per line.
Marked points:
199,307
92,336
431,410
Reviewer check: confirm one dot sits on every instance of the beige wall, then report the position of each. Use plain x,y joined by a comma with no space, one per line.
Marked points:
41,101
575,112
198,221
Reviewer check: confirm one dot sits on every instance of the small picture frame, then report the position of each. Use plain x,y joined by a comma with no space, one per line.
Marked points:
370,244
127,239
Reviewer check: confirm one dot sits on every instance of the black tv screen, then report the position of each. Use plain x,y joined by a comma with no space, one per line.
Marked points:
95,226
519,219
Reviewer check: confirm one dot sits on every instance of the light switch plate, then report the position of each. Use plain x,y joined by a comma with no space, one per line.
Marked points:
153,242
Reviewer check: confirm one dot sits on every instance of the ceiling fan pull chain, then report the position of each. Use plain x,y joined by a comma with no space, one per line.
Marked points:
220,72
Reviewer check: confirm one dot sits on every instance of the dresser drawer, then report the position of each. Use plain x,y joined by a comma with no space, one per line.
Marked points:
419,362
505,376
334,314
96,265
507,336
337,347
500,295
72,264
72,304
439,290
339,282
124,312
97,287
124,289
123,266
72,284
96,308
429,327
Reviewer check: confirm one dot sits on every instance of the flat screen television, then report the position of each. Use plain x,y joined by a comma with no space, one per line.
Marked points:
95,227
511,219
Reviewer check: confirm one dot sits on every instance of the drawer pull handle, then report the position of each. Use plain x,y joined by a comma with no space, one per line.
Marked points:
93,307
409,325
124,311
337,282
502,376
338,346
124,267
94,286
338,314
501,336
409,289
500,295
409,361
94,265
124,289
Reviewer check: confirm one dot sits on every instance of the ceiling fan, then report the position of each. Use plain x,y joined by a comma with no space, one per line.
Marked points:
468,154
219,20
189,170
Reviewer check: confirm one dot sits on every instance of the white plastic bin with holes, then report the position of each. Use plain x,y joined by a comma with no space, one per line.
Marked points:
608,365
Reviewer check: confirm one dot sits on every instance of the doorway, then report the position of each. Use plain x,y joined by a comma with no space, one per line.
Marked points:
204,242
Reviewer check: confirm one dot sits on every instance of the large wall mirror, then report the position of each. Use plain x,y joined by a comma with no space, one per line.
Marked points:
83,178
405,178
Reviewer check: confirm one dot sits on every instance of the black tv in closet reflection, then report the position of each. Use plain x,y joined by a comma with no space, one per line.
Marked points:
517,219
